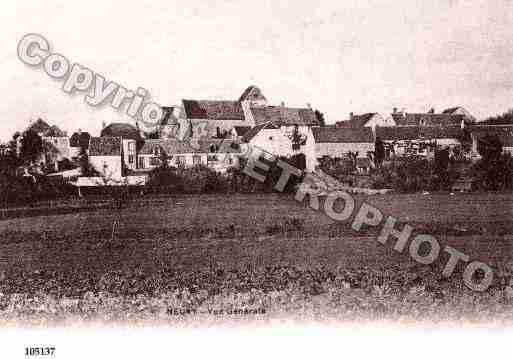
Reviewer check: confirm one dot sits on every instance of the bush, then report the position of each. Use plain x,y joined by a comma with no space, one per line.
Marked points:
494,174
413,174
24,190
197,179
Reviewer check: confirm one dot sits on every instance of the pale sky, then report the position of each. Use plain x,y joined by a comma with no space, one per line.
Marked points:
340,56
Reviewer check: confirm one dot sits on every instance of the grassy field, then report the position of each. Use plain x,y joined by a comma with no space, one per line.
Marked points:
210,257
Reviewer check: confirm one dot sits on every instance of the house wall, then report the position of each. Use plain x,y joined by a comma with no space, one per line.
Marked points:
278,143
129,154
340,149
210,125
222,162
108,166
400,146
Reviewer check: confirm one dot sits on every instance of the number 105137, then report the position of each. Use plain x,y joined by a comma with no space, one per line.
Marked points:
39,351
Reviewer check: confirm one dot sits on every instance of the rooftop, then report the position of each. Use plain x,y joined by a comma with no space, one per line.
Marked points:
342,135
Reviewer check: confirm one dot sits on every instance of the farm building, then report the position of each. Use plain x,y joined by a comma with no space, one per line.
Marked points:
251,109
503,132
131,139
418,140
217,154
105,156
372,120
457,116
337,142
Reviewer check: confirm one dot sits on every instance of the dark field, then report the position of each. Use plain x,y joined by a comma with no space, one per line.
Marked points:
173,259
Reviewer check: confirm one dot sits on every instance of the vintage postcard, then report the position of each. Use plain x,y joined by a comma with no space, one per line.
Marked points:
256,178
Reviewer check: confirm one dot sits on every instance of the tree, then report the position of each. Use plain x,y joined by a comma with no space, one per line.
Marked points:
31,146
490,147
441,161
379,152
319,116
495,169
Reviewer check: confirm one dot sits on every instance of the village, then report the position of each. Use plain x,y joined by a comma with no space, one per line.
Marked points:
216,134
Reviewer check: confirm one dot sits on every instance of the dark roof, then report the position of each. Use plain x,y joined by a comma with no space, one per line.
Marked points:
504,132
405,133
252,93
213,110
169,145
241,130
284,115
255,130
342,135
105,146
450,110
80,139
124,130
428,119
356,121
397,133
173,146
441,132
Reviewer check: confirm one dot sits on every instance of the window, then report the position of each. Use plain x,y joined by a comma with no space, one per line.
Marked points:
141,162
180,160
131,146
211,158
154,161
196,160
131,159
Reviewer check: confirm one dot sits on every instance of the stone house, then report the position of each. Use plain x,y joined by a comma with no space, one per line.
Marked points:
418,140
336,142
216,154
372,120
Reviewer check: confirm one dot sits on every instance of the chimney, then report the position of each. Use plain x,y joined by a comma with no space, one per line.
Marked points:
282,104
351,116
431,110
394,110
309,105
79,131
103,124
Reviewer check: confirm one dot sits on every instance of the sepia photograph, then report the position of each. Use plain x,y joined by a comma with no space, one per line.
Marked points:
256,178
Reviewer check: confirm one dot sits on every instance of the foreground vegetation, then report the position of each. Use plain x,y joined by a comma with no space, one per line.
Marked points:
183,259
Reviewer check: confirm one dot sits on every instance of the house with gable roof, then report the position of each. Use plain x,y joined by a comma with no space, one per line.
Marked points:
106,156
250,110
336,142
419,140
456,116
218,154
371,119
